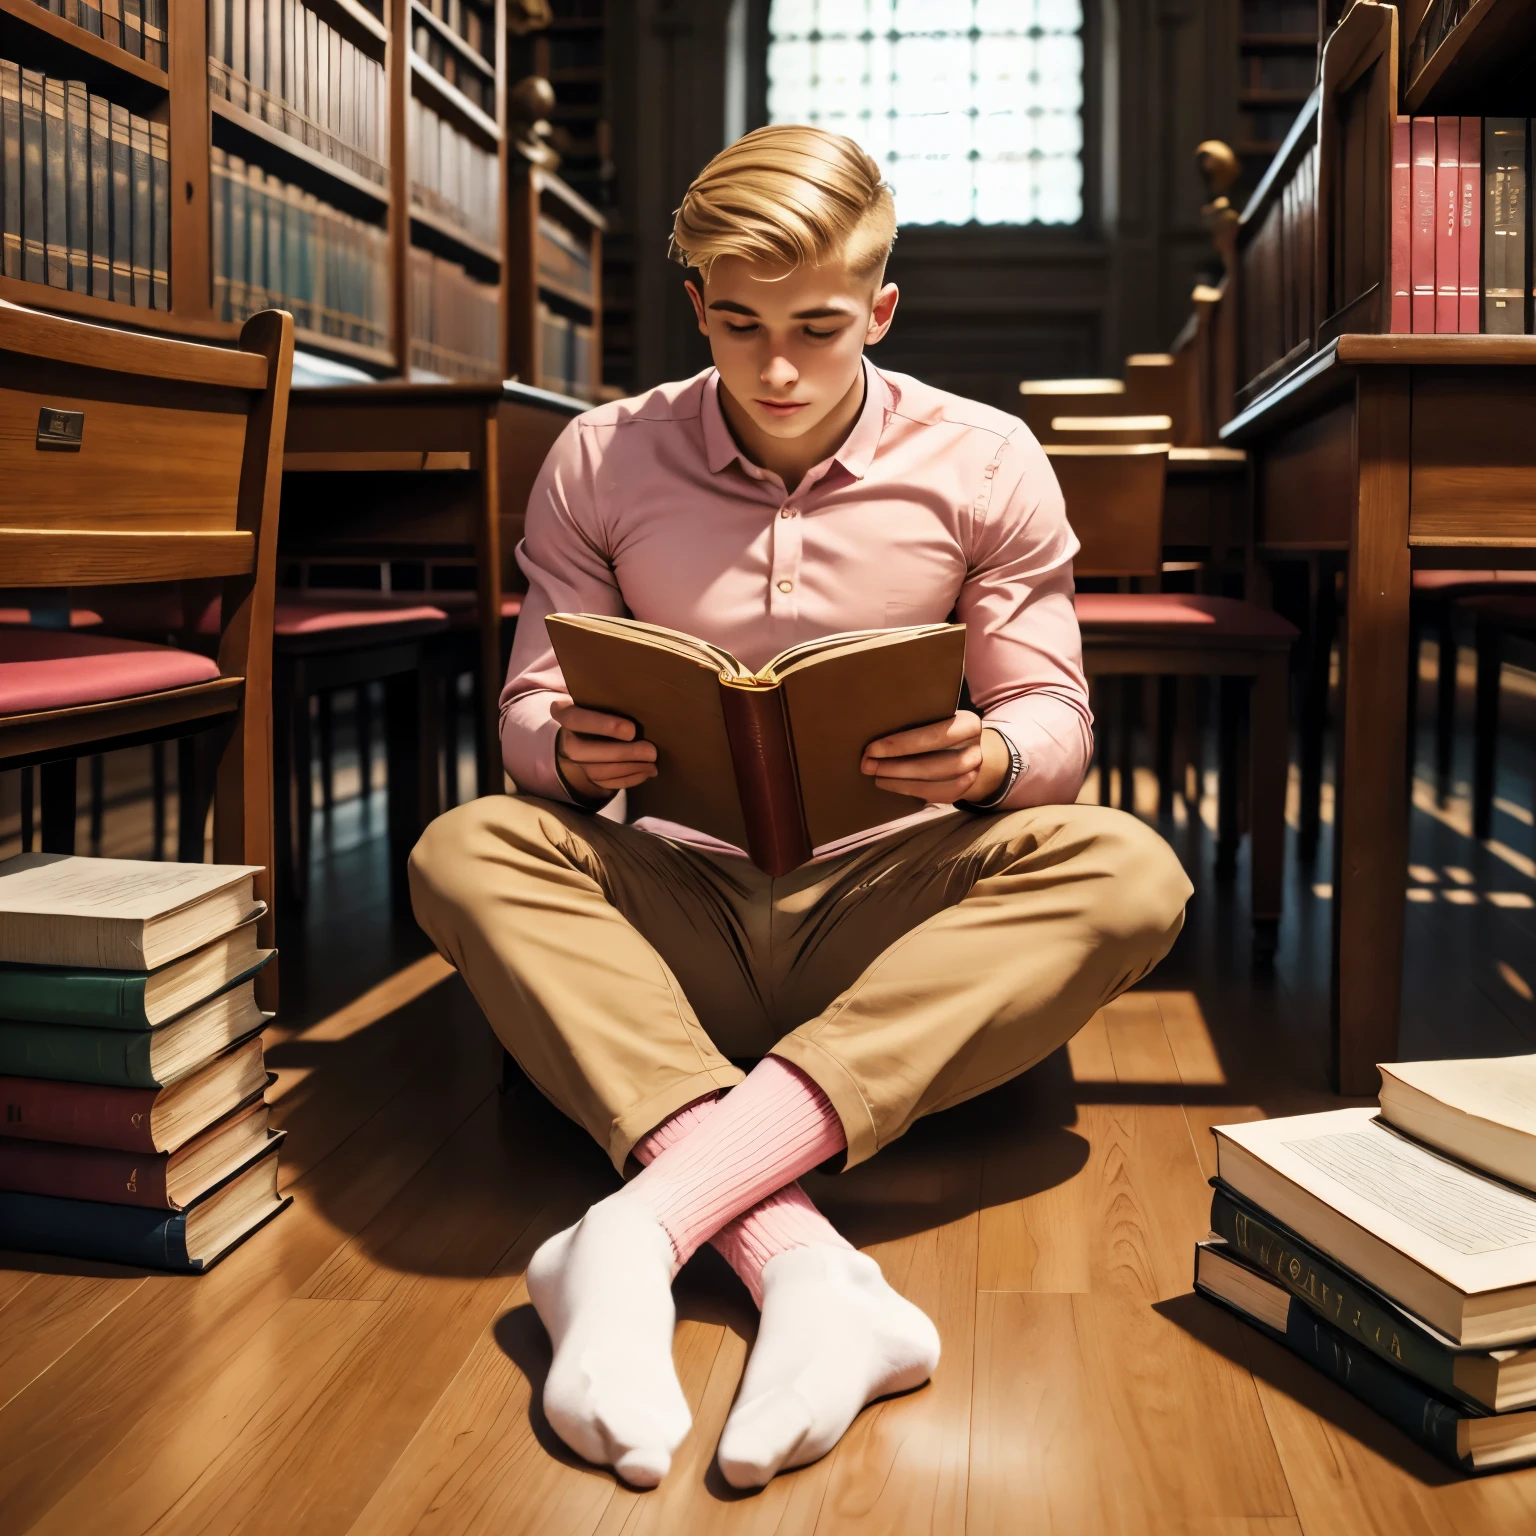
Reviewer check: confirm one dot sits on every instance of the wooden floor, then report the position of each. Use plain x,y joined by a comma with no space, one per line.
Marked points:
370,1362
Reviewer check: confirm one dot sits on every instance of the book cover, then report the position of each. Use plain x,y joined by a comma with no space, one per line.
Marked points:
77,177
133,27
218,199
34,250
101,198
10,168
274,51
55,183
239,261
160,216
143,211
1422,258
1470,1441
1470,225
256,54
122,207
1503,226
257,293
218,30
187,1242
237,61
273,214
1447,224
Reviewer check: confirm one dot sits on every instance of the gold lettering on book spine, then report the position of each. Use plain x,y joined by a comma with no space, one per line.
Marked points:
133,1182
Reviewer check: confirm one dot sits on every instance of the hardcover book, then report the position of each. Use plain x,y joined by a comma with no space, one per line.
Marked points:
1422,267
1470,238
1402,226
1450,1244
77,175
160,216
1493,1381
10,168
767,760
1447,224
188,1241
1467,1439
101,198
122,209
1504,260
143,212
116,914
55,181
132,1119
167,1181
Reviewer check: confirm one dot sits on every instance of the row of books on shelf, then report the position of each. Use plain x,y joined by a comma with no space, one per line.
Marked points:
84,191
565,354
479,88
452,176
131,1062
564,258
1461,257
1395,1250
1436,24
466,20
136,26
275,245
455,320
279,61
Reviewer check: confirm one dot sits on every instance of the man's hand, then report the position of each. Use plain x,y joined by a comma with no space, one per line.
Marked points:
954,760
597,753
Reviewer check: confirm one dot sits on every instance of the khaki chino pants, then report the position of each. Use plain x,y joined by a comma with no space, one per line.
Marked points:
624,971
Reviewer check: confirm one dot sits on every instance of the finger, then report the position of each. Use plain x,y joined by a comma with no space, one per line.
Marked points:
592,722
927,765
600,749
956,732
607,778
937,791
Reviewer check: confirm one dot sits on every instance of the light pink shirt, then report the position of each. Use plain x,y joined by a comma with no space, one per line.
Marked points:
933,506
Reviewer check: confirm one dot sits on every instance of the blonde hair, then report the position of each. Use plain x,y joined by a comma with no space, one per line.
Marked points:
787,195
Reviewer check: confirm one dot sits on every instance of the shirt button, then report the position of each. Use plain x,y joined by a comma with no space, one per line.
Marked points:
786,512
786,586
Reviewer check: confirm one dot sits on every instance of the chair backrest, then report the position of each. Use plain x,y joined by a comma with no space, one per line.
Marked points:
1108,429
1041,399
127,458
529,421
1114,497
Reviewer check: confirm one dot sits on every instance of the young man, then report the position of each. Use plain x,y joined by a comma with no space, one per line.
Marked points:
789,492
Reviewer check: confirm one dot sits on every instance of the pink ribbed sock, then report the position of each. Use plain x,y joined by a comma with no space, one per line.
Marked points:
724,1170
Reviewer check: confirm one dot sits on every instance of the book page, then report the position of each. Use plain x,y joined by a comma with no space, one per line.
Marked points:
65,885
1500,1088
1470,1229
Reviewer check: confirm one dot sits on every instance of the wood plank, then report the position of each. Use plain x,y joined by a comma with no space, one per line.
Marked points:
26,331
49,1313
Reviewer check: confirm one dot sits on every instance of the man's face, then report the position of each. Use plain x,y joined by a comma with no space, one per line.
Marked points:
788,344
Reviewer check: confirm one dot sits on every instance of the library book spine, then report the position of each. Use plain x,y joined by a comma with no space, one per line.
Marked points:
77,114
1447,224
1347,1303
77,1053
1504,169
1470,225
1402,226
55,184
84,1173
1423,249
101,203
10,168
122,206
767,784
143,213
160,206
81,1113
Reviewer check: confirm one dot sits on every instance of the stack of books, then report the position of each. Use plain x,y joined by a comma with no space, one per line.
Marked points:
135,26
84,191
131,1072
1396,1251
452,176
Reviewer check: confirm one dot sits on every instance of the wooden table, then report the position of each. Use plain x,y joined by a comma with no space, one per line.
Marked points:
432,472
1205,503
1396,452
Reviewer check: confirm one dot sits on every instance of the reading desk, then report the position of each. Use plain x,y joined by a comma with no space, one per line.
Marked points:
1396,451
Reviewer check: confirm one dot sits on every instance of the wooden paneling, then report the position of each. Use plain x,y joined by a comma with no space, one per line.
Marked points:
1304,484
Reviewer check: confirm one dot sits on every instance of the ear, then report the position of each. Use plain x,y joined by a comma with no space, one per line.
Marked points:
698,303
881,315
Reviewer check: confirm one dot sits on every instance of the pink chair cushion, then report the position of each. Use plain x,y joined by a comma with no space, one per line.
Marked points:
53,669
1183,614
1451,581
511,605
79,618
315,616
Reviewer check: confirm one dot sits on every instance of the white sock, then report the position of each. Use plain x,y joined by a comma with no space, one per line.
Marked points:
604,1291
833,1337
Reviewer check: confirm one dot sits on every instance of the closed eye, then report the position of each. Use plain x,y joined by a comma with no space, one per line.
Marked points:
740,330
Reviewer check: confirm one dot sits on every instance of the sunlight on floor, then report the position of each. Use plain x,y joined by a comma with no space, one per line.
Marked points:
1147,1037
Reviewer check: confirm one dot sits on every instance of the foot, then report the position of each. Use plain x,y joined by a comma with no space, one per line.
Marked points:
603,1289
834,1336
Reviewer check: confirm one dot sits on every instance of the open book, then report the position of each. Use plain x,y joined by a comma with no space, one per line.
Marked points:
767,760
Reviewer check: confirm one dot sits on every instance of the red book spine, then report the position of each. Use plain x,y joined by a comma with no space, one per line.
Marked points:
1402,226
1471,225
1423,259
83,1173
1447,224
40,1109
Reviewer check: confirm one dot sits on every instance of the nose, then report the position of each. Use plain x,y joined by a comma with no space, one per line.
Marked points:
779,373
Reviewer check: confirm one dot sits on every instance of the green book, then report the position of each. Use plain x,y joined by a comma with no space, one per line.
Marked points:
1492,1381
131,1058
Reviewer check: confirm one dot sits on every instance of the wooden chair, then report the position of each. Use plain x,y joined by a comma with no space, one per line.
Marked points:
1499,619
1114,497
1153,427
134,459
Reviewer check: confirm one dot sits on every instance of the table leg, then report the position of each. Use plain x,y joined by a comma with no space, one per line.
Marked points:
1371,801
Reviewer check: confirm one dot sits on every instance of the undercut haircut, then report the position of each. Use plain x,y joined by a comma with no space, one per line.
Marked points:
787,196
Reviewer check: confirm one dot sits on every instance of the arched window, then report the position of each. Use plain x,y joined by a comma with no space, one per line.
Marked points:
974,107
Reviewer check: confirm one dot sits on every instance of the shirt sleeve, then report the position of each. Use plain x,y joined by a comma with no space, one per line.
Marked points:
564,555
1024,653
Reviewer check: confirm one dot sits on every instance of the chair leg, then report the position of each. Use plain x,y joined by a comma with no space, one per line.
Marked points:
1167,736
58,806
1490,659
1415,657
1269,713
1228,809
27,810
196,763
325,741
1318,666
157,797
98,801
303,792
362,726
1445,701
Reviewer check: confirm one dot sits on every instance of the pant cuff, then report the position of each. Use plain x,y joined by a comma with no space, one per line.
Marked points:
647,1115
834,1080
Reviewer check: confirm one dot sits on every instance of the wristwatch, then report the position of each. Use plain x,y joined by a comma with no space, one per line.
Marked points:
996,798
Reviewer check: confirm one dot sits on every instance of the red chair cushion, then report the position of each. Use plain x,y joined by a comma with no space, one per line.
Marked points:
1184,615
53,669
1473,581
511,605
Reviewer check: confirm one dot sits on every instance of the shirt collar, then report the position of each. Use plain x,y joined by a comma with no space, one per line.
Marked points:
855,455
